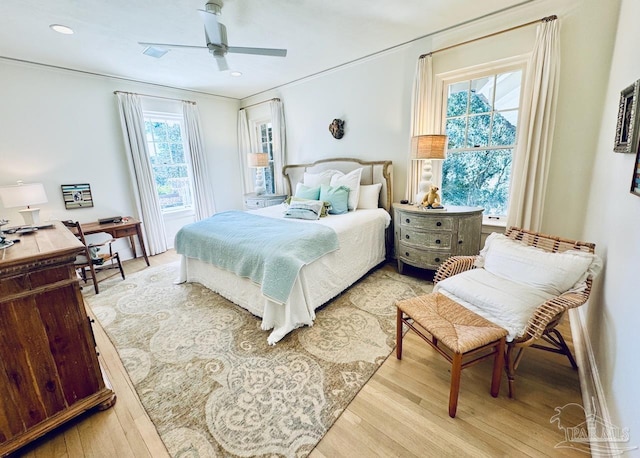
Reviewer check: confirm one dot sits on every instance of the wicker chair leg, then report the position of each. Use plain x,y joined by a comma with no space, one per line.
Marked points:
558,341
399,334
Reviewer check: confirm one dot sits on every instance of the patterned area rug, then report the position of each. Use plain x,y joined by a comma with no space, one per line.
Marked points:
211,384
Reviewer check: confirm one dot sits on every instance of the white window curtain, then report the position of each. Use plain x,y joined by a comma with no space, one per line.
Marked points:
147,202
244,148
533,152
203,193
426,118
279,144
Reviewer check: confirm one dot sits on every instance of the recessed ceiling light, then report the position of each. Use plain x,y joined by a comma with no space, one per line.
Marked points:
62,29
236,73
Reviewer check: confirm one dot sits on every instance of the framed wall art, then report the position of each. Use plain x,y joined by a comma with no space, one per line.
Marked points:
627,125
635,181
77,195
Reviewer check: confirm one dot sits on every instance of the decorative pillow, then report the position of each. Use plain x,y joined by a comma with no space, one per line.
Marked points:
326,206
507,303
306,192
304,209
337,196
316,179
369,195
352,181
553,273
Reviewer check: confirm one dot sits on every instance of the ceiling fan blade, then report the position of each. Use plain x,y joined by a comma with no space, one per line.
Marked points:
170,45
222,64
211,26
259,51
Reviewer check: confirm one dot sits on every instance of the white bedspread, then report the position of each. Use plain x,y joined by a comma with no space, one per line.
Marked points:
361,235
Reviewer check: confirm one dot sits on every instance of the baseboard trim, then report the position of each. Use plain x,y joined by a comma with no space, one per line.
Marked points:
593,397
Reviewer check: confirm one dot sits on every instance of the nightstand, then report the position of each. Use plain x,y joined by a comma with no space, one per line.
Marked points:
253,200
426,238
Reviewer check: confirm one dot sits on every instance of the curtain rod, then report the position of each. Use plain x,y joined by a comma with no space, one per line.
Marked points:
275,99
155,96
537,21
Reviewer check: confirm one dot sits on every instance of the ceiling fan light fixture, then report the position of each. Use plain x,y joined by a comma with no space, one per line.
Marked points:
61,29
235,73
154,52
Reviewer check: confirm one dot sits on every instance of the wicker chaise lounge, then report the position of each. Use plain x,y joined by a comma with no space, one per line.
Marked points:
541,325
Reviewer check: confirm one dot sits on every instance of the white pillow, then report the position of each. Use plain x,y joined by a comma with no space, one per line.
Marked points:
369,195
553,273
352,181
316,179
507,303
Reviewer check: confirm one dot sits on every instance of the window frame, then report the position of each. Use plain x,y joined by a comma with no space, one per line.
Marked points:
256,127
442,82
161,116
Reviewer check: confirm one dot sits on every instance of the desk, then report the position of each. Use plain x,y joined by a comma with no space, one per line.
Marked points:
118,230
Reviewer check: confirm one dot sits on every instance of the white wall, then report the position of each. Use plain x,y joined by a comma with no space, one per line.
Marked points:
62,127
612,221
373,96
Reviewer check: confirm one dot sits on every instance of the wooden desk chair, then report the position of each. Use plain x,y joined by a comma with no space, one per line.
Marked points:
91,261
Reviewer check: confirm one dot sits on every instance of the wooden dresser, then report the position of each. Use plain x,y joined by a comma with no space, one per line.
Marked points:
425,239
49,368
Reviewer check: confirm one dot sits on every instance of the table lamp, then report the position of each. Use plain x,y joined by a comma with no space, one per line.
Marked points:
24,195
426,148
258,161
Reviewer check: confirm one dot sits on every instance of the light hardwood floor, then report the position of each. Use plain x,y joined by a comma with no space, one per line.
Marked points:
401,411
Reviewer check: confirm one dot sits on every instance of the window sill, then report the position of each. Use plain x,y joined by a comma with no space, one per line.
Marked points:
175,214
492,225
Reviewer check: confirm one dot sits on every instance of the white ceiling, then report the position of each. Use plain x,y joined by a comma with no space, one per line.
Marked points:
318,34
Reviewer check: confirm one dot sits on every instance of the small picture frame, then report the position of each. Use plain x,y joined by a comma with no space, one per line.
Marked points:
627,125
77,196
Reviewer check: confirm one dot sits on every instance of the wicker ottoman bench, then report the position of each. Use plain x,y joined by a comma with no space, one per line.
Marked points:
456,333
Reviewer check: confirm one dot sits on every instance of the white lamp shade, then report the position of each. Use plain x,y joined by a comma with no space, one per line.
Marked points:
256,160
23,195
429,147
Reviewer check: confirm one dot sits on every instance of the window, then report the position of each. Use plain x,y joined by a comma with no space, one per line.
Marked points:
481,122
169,162
266,146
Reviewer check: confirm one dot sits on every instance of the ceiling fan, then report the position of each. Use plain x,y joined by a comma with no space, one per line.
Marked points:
216,35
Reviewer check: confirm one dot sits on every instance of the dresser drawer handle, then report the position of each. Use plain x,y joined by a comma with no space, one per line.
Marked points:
406,254
438,224
459,242
407,220
407,237
437,260
438,242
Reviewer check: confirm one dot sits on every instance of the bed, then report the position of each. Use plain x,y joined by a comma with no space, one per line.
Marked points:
362,241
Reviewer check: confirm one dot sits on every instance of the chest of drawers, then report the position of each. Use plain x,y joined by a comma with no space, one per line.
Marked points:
425,239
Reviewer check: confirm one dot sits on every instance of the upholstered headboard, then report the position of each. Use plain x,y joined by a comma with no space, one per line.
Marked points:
372,172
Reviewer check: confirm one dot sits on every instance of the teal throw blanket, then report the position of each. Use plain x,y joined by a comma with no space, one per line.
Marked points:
269,251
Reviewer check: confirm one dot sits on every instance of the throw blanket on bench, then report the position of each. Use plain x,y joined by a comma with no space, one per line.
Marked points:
269,251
